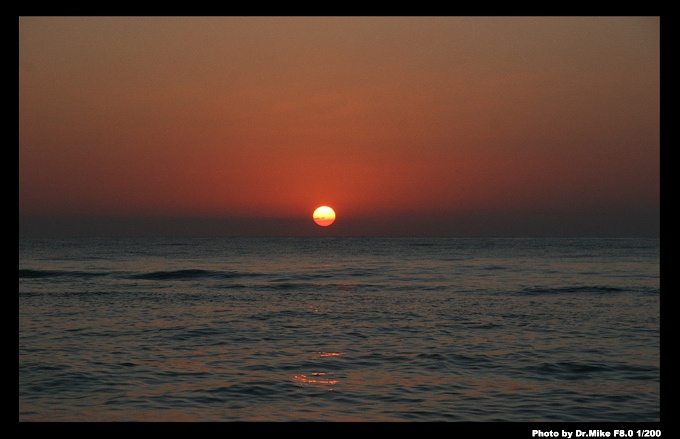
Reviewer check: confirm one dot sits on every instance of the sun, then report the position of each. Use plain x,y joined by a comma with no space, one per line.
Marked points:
324,216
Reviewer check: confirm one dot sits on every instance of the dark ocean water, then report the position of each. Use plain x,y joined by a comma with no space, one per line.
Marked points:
339,329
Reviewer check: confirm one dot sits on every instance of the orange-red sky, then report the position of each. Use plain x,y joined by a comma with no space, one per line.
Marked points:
498,126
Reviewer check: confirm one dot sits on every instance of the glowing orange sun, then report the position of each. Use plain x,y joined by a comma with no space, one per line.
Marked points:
324,216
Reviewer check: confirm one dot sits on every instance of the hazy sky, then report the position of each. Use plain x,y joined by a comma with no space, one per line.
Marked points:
458,126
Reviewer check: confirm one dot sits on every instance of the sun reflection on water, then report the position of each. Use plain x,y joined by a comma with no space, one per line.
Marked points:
329,354
316,378
319,378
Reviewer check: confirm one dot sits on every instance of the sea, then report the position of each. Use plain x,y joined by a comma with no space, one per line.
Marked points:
337,329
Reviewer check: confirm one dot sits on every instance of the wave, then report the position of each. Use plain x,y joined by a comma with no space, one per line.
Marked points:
567,290
192,274
584,370
175,274
36,274
151,275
